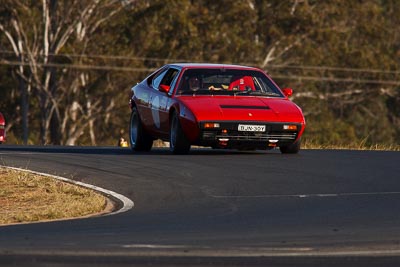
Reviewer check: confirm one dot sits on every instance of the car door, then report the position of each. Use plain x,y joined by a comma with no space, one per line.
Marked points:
143,94
159,98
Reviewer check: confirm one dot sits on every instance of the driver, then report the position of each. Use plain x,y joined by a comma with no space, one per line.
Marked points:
194,84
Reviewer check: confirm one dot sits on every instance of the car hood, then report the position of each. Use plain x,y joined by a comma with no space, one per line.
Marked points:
242,108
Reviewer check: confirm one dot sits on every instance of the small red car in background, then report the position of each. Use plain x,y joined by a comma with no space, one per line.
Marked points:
215,105
2,129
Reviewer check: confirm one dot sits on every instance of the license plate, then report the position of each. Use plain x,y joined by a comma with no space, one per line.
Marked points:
251,128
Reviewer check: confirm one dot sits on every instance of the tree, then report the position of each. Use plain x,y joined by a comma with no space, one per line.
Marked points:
345,60
38,33
74,61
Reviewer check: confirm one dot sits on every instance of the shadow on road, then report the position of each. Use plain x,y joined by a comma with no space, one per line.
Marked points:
125,151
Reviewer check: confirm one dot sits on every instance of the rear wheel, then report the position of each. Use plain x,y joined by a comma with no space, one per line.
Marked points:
178,144
138,138
292,148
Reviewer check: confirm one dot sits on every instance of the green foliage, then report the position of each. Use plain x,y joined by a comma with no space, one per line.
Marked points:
341,57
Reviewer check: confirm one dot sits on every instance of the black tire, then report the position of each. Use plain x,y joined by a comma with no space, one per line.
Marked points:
292,148
178,143
138,138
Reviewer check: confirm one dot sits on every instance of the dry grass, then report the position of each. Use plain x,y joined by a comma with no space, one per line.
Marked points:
355,146
27,197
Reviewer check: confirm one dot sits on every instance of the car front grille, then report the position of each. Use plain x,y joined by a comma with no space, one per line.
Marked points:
250,136
274,132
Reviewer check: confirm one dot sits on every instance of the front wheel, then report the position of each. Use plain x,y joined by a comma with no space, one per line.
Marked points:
178,144
138,138
292,148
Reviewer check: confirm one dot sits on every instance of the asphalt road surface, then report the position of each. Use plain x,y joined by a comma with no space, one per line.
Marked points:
217,208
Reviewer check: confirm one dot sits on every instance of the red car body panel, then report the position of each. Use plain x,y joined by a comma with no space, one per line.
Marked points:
247,109
225,107
242,108
2,129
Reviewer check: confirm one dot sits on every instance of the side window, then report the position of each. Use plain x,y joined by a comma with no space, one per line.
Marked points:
173,83
157,80
165,77
170,79
169,76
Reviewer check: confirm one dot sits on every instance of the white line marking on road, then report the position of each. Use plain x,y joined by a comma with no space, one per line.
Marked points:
127,204
310,195
21,153
160,246
155,246
207,251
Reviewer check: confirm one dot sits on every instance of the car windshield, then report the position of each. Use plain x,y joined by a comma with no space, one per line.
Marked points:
226,82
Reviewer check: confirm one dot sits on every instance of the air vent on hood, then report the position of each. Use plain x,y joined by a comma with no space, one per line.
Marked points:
244,107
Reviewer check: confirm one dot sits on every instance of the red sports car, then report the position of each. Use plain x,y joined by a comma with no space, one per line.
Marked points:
215,105
2,129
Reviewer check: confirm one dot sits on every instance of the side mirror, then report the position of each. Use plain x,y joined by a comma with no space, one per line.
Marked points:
288,92
164,88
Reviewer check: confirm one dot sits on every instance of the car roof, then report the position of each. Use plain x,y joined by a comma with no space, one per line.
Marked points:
211,65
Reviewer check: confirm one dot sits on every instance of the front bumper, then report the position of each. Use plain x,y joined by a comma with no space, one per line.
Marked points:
228,135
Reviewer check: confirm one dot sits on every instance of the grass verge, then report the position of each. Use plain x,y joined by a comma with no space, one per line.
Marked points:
27,197
310,144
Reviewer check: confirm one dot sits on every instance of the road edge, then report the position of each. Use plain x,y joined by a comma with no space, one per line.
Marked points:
124,202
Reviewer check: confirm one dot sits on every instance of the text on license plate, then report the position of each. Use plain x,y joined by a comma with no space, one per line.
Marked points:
251,128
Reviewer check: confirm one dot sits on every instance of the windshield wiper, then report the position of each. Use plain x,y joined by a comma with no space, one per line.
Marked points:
270,94
258,93
245,92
